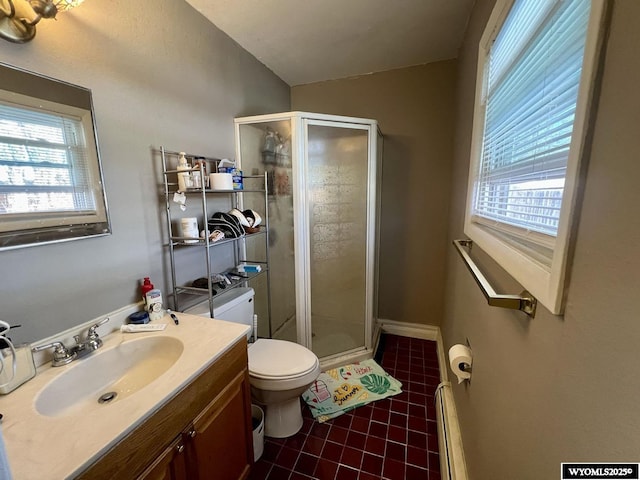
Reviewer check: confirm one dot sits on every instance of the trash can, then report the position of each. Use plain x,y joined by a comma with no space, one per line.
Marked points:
257,422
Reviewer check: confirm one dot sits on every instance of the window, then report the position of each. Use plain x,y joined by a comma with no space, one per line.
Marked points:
50,179
536,67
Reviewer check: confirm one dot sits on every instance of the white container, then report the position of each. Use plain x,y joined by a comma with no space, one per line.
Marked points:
185,180
257,420
189,227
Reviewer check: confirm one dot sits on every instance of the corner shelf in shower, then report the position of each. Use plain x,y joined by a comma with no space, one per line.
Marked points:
183,296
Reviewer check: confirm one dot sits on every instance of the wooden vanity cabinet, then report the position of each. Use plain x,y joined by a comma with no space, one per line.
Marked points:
202,433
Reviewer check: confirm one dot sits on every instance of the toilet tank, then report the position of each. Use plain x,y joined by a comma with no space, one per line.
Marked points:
234,306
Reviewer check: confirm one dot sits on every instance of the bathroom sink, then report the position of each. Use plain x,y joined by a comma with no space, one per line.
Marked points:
107,376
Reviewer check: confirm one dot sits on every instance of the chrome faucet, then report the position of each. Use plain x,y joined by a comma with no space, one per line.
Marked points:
63,355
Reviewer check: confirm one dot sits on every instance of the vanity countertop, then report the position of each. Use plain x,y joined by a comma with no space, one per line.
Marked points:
41,447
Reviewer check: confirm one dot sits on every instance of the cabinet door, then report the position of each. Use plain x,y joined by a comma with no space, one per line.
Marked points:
170,464
221,444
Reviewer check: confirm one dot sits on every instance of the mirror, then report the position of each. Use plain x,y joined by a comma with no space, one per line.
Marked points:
51,182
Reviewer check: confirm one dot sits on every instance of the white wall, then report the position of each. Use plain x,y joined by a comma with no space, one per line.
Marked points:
161,75
557,388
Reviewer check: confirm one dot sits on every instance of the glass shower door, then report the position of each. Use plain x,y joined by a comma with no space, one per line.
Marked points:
337,197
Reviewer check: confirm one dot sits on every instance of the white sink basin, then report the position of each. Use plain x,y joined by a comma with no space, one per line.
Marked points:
121,370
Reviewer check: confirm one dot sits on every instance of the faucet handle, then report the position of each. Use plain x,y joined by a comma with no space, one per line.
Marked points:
91,333
61,356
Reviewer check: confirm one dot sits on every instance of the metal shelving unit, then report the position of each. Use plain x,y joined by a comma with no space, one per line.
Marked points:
182,294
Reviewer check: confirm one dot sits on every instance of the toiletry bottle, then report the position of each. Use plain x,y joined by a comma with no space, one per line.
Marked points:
185,179
146,287
201,173
154,304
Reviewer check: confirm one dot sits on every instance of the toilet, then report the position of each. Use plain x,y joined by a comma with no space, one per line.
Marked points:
279,371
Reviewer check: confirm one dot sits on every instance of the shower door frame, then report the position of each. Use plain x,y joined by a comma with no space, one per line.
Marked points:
300,122
302,217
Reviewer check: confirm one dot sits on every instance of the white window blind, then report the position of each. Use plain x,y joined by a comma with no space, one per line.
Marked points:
44,164
537,66
532,79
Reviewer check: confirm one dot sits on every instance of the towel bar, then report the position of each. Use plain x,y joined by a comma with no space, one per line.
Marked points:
524,302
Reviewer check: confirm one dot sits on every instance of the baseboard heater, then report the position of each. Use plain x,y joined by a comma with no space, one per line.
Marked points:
452,463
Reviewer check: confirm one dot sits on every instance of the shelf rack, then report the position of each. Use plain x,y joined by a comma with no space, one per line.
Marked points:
182,293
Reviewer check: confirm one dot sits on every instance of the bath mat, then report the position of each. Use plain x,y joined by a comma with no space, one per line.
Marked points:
339,390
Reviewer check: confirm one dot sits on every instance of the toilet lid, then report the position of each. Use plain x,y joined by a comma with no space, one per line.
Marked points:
270,358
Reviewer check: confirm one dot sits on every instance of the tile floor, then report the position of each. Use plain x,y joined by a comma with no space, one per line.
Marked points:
392,439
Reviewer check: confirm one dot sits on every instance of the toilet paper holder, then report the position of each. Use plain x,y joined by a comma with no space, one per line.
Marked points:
460,361
465,367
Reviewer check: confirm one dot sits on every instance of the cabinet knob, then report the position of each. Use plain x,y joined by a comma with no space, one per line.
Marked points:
180,448
193,432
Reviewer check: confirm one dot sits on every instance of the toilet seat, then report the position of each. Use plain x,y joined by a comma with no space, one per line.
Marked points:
271,359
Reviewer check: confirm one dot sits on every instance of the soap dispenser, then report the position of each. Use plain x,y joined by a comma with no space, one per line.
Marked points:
184,178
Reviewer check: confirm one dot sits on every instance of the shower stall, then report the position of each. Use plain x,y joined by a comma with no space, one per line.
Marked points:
323,176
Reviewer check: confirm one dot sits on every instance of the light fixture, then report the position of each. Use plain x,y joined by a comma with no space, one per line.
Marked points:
18,18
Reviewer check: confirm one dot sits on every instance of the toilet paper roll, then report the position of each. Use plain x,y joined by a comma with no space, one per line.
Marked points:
460,361
221,181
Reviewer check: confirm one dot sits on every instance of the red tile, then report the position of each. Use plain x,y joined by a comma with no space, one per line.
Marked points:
346,473
417,398
368,476
398,420
332,451
417,411
393,469
343,421
417,439
417,424
271,451
320,430
338,435
314,445
296,441
307,424
417,457
279,473
434,462
417,387
287,457
396,451
306,464
399,435
360,424
431,410
260,471
372,464
298,476
375,445
363,412
384,405
325,469
378,429
351,457
416,473
356,440
432,443
380,415
432,426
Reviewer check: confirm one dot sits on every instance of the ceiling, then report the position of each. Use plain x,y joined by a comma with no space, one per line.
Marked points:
306,41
